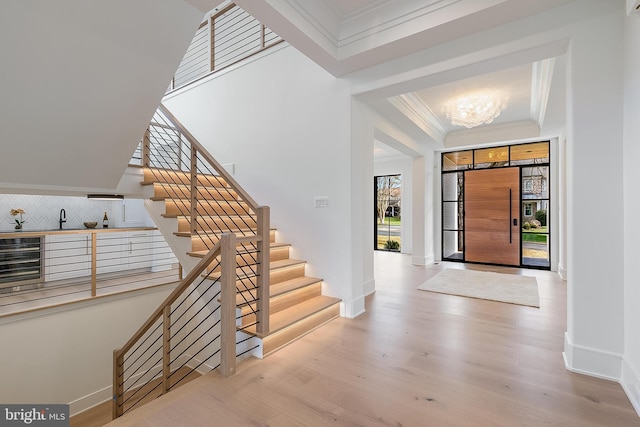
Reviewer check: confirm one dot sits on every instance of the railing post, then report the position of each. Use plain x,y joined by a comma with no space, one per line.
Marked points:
228,306
212,43
94,261
118,386
146,152
166,348
194,190
264,250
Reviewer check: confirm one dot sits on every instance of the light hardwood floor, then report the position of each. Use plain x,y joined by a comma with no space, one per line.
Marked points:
415,358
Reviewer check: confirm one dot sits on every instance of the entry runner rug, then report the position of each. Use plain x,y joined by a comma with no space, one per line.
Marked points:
510,288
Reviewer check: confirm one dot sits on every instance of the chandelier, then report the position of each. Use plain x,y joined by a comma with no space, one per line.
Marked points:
474,110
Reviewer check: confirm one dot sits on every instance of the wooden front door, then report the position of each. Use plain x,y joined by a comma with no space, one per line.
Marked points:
492,216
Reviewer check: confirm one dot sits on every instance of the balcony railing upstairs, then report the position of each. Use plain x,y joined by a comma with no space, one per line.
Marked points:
227,36
198,327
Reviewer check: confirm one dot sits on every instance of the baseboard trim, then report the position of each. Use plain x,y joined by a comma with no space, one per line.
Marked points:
89,401
422,260
352,309
369,287
562,272
592,362
630,383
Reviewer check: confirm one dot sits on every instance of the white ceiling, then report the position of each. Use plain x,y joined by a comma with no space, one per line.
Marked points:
350,37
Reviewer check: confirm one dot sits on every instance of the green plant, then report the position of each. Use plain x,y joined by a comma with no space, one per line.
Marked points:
541,216
392,245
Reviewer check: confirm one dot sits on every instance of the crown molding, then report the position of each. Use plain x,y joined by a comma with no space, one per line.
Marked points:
416,110
541,75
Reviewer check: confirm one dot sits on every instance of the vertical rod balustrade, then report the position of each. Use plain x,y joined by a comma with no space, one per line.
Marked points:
262,281
166,348
228,306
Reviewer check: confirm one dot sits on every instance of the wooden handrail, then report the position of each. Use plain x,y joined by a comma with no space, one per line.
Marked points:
205,154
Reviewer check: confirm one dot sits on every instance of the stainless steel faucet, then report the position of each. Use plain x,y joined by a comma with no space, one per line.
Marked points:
63,217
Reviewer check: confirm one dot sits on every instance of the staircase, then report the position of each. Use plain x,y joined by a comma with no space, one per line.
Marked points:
296,303
240,294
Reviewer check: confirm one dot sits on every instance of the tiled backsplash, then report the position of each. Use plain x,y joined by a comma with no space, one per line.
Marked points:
43,212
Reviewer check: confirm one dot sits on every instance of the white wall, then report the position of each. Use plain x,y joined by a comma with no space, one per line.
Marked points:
401,166
594,341
631,363
285,124
65,354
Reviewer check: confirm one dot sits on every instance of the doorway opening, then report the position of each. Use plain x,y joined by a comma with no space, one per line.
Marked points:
495,205
388,218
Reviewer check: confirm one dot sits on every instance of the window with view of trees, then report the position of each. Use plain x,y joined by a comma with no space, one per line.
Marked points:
388,195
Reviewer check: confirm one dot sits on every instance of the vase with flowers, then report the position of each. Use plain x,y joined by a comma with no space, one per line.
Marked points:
19,222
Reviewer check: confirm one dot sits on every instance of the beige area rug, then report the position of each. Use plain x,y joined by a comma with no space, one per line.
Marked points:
510,288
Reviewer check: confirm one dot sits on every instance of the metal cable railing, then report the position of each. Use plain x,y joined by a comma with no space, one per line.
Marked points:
227,291
61,267
226,37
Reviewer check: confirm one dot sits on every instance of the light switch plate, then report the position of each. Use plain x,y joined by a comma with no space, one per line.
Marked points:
321,202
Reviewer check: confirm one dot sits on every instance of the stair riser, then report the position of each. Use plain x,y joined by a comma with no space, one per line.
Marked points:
281,275
280,253
181,192
285,336
215,223
205,243
290,299
244,261
178,208
276,276
155,175
285,301
249,259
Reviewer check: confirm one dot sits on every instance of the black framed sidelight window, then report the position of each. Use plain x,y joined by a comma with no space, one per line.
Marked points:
387,211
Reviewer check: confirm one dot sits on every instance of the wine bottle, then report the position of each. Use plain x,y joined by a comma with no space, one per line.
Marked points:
105,221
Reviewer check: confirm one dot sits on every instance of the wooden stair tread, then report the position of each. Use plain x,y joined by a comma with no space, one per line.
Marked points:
291,315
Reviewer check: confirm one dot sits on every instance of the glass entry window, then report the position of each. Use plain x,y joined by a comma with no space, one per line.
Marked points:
535,207
476,184
453,216
388,223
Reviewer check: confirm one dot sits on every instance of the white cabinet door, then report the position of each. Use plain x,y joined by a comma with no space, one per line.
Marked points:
139,249
111,255
67,256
